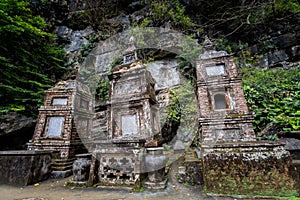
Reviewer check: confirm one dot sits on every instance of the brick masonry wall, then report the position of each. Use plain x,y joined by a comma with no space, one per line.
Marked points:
233,123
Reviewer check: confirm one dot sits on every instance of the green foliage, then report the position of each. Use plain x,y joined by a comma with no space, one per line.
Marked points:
284,7
246,59
99,14
223,45
274,96
246,22
181,103
293,198
182,107
102,91
86,49
165,11
173,110
29,59
187,70
138,189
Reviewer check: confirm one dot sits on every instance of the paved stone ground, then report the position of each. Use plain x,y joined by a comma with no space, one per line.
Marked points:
54,189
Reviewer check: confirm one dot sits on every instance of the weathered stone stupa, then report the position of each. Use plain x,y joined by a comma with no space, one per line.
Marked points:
56,130
233,161
133,127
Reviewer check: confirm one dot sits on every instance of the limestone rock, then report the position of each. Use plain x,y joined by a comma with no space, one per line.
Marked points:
13,121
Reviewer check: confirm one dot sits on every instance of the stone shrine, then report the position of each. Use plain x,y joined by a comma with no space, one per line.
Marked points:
56,130
133,108
233,162
224,115
133,126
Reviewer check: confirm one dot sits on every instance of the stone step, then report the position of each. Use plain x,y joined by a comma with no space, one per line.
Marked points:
191,156
296,162
99,129
99,123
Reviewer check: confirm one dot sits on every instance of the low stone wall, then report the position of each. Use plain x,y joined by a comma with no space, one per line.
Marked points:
24,167
247,168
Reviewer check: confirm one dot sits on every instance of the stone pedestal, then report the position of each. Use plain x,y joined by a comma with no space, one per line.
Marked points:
256,168
155,163
81,169
117,162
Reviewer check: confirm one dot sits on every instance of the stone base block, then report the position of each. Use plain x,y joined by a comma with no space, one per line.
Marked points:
24,167
253,168
61,174
155,185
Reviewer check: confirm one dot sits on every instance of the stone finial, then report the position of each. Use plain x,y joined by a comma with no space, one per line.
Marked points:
208,45
131,45
209,50
130,54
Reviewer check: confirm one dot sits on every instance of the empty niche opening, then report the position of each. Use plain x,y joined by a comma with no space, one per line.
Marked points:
125,177
220,102
129,125
111,176
55,126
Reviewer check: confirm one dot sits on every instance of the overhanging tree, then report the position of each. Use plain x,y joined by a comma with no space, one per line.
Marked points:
29,59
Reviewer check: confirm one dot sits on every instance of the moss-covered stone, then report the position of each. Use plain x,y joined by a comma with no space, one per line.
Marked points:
248,170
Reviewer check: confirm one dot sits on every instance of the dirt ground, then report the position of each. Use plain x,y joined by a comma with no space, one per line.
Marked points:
54,189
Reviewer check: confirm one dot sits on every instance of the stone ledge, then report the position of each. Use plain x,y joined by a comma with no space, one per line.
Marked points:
217,119
24,152
155,186
243,144
244,197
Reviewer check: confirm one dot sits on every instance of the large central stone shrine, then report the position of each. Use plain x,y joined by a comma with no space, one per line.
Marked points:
133,127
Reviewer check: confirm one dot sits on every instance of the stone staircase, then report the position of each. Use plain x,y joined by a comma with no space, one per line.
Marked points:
100,127
190,169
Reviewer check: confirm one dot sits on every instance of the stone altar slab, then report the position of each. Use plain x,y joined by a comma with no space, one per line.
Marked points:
24,167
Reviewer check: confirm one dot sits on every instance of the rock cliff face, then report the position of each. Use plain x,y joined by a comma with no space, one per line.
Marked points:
15,130
287,53
14,122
